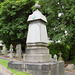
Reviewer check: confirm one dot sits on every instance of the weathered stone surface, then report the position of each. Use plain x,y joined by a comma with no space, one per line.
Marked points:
4,49
61,68
39,50
48,68
37,32
18,50
37,57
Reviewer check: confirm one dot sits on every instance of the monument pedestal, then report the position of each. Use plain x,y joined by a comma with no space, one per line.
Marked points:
37,52
48,68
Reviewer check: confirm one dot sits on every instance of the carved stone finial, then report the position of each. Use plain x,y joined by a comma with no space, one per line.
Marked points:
37,6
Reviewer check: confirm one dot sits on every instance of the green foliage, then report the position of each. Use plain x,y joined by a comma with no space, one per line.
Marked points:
1,1
13,20
55,48
57,26
0,48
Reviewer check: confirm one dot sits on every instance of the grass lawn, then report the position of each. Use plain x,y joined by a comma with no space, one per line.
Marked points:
5,63
74,69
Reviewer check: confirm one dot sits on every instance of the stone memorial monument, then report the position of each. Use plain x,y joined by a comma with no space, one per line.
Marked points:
55,57
37,60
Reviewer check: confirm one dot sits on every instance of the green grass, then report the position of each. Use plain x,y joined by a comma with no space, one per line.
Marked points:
5,63
74,69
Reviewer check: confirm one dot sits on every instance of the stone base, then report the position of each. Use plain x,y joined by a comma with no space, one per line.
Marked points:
37,54
49,68
37,58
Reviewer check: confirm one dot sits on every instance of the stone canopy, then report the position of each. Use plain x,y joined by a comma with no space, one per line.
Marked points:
37,15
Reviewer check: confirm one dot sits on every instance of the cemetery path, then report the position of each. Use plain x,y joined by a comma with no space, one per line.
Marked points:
4,58
1,73
69,73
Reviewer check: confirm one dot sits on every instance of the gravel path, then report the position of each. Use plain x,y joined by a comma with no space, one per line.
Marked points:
69,73
4,58
1,74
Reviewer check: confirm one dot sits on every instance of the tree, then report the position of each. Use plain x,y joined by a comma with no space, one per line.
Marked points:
60,27
1,1
13,20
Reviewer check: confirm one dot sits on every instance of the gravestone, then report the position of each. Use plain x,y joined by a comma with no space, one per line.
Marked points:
55,57
11,48
37,60
5,53
11,52
4,49
18,50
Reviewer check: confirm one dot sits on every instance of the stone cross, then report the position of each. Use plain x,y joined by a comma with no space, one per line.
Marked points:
60,54
37,6
55,57
60,58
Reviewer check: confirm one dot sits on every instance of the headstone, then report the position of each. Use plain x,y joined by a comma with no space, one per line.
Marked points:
60,58
4,49
11,52
11,48
18,50
5,53
55,57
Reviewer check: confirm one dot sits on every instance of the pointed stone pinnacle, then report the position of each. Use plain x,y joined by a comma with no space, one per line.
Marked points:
37,6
